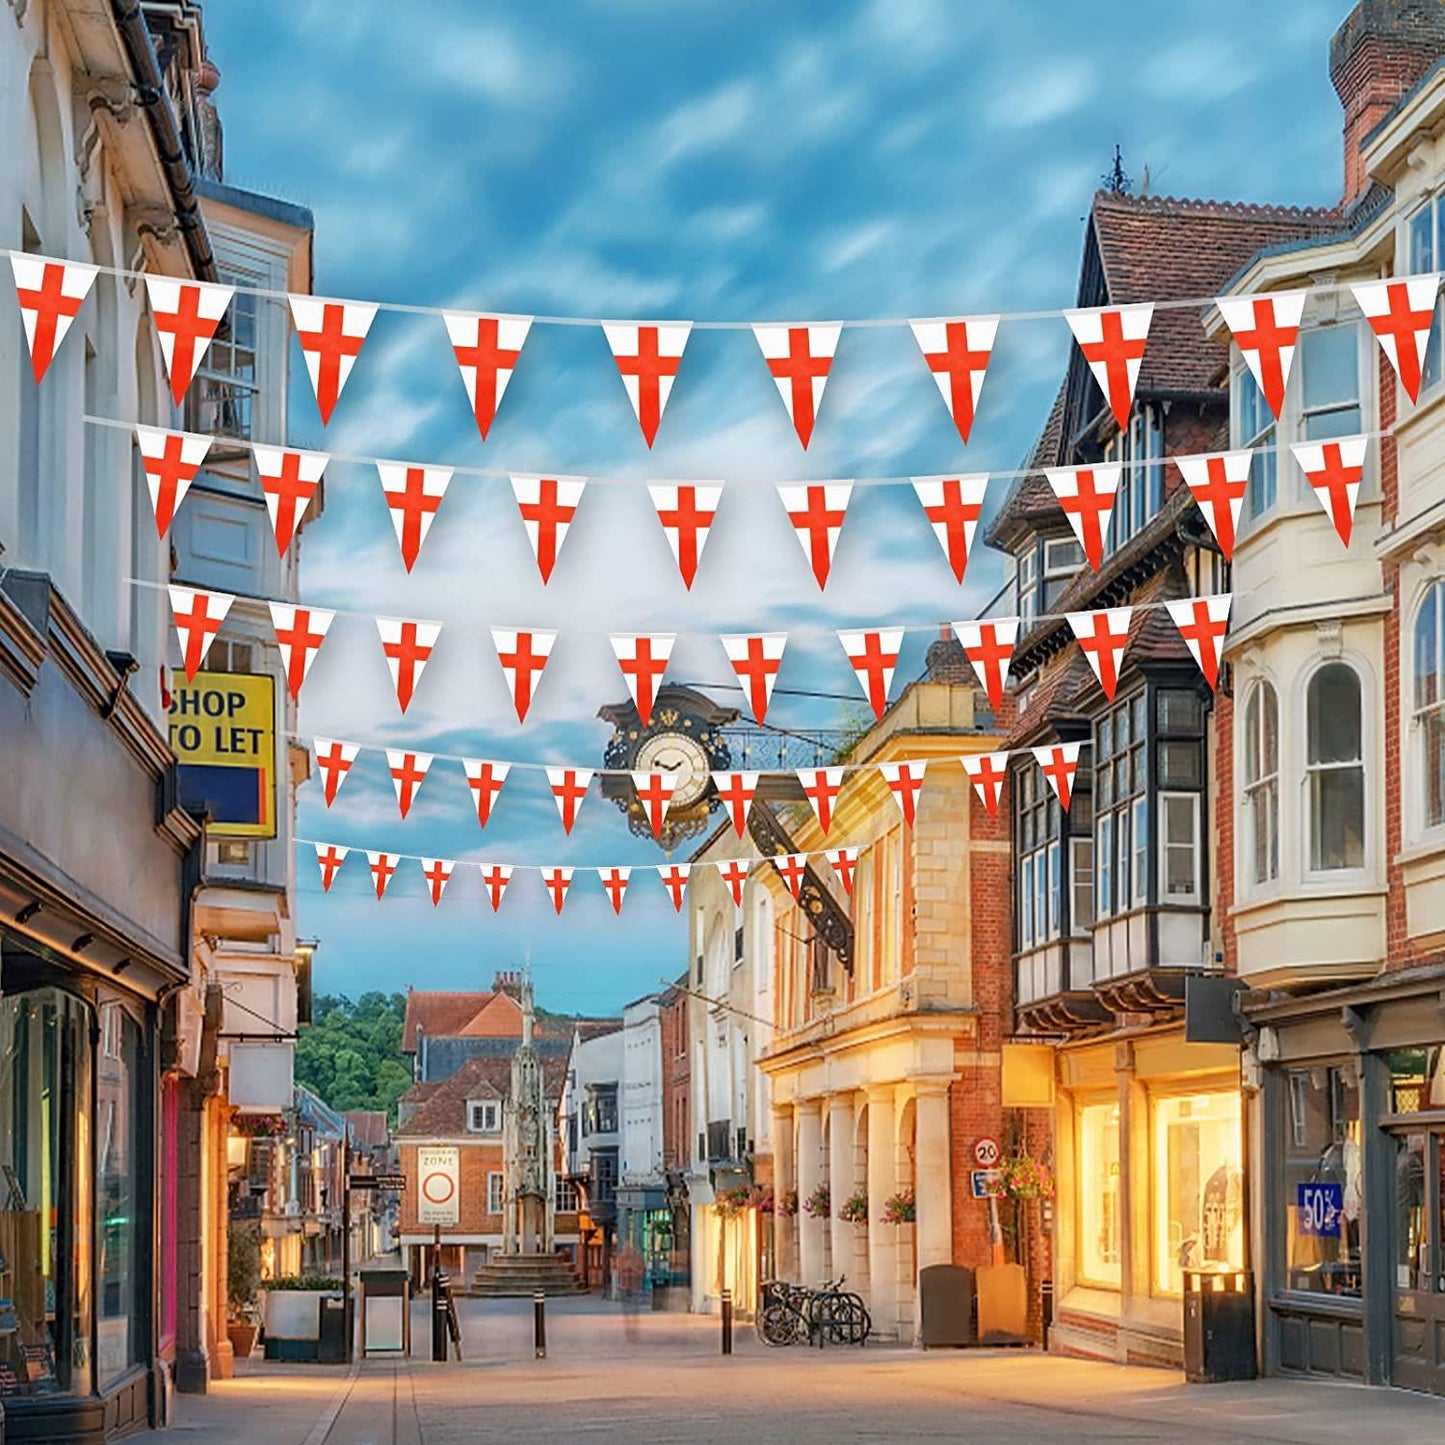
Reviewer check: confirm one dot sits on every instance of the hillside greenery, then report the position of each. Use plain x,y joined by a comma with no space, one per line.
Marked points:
351,1054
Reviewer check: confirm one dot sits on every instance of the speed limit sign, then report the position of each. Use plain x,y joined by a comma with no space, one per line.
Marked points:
986,1152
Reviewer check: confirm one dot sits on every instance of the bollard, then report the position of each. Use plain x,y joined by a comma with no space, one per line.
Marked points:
539,1324
438,1318
727,1322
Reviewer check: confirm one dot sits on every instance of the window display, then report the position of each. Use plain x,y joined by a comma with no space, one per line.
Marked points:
1098,1213
117,1136
1323,1180
1198,1177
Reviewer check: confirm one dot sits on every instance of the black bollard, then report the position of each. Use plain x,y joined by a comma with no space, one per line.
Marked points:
438,1317
539,1324
727,1322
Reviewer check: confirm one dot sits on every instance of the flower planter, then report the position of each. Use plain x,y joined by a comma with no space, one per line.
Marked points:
242,1335
293,1323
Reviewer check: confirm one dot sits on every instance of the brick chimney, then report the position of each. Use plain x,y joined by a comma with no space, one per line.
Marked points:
1378,54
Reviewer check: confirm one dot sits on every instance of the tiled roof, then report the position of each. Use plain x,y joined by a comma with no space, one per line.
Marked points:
438,1014
486,1076
368,1127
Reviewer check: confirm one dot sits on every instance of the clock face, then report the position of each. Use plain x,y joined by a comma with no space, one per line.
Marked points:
680,754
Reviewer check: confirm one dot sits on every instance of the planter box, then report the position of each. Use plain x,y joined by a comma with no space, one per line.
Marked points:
293,1323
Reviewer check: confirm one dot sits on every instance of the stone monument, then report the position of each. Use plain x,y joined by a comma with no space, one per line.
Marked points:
528,1148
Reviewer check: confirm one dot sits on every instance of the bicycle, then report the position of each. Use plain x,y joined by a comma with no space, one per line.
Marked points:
791,1314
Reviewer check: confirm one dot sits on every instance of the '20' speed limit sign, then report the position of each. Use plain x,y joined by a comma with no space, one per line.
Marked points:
986,1152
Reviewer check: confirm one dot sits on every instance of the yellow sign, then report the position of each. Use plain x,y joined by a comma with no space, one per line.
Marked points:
223,731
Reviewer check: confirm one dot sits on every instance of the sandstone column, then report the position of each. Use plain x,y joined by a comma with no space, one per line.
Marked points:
882,1238
842,1177
934,1182
785,1178
810,1170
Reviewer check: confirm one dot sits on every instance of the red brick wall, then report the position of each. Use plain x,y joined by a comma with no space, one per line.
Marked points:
676,1083
475,1162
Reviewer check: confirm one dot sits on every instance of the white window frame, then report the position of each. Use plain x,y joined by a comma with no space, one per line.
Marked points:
1027,583
496,1191
490,1109
1104,867
1192,898
1140,449
1308,770
1081,882
1421,714
1434,370
1262,791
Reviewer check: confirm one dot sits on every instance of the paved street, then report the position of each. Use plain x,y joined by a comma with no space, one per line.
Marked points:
659,1378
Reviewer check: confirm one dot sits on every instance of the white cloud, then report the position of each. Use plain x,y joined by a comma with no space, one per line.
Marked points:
1045,92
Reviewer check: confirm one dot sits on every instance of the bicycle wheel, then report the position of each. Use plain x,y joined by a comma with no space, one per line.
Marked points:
860,1323
831,1320
779,1324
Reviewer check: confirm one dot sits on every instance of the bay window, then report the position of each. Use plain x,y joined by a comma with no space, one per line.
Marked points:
1120,804
1027,581
1039,846
1329,363
1429,707
1335,769
1179,848
1261,783
1140,448
1254,427
1423,238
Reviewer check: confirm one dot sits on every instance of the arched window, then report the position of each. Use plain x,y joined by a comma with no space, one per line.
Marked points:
1430,699
1261,782
1335,769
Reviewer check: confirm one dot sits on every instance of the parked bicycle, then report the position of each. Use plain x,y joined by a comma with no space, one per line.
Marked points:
792,1314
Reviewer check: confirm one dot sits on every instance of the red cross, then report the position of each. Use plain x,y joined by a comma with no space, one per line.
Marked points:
844,862
905,785
654,792
755,669
988,777
410,657
190,335
735,873
414,504
959,363
50,304
486,781
199,628
495,880
298,641
381,869
1104,648
1206,632
799,367
642,670
1268,340
614,880
407,776
674,878
690,522
816,520
1404,326
549,514
1059,770
334,765
1115,351
1092,507
489,359
872,665
171,473
557,881
330,344
990,654
436,874
1334,479
569,791
292,495
822,791
330,858
525,665
1219,494
791,868
736,795
955,514
649,367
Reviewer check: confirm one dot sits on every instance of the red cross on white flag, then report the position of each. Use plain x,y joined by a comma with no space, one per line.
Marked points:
1202,623
687,511
485,780
408,647
557,881
547,505
1103,636
647,355
330,857
569,787
1266,330
1112,341
198,616
1334,470
799,358
821,786
408,769
523,654
334,759
643,659
816,510
171,460
957,352
1400,313
289,481
874,656
331,334
674,879
495,877
1219,483
50,294
413,495
791,869
756,660
615,880
1059,761
383,866
987,772
953,506
989,647
186,314
300,631
736,791
844,862
654,793
905,782
487,348
1087,496
438,873
734,872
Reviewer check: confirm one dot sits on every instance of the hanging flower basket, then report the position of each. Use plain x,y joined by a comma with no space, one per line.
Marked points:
855,1208
1025,1178
787,1204
762,1199
819,1204
900,1208
259,1126
731,1202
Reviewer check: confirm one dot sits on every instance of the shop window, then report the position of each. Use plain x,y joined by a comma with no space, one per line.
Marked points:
1323,1181
1429,714
1335,769
1261,783
1198,1185
120,1276
1417,1079
1098,1244
1412,1212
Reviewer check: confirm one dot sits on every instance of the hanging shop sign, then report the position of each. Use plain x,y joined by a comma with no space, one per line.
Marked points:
223,731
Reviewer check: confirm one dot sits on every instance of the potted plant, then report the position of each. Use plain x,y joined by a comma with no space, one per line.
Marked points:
243,1278
855,1208
731,1202
787,1205
819,1204
900,1208
293,1315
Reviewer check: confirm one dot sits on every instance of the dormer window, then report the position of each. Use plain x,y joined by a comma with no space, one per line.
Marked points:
1139,449
1045,569
484,1116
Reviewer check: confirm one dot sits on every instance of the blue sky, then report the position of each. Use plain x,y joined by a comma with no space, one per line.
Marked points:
711,161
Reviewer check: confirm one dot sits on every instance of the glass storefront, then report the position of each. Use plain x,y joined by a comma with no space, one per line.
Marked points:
1323,1180
120,1272
1099,1248
1198,1186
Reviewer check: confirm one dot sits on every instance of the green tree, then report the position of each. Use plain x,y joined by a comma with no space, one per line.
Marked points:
351,1054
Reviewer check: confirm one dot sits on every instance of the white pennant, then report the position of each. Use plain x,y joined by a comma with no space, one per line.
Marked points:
198,616
687,511
438,873
1112,339
647,355
1059,762
171,460
734,872
330,857
569,787
547,506
1103,636
495,877
413,494
50,294
486,348
300,631
1266,330
816,510
485,780
185,314
614,882
408,770
953,506
1400,311
334,759
407,647
799,359
674,879
523,654
289,480
1202,623
331,335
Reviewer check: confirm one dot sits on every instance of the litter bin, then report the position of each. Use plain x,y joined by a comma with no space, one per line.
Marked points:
385,1312
1218,1326
331,1347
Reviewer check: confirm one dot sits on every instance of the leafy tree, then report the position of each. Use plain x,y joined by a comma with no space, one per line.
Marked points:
351,1055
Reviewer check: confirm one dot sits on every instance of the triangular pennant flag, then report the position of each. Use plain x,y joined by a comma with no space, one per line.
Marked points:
687,511
1103,636
674,879
821,786
1202,623
186,314
289,480
557,881
1400,312
736,791
198,616
989,645
569,786
331,334
495,877
874,656
523,655
791,868
648,356
547,505
957,350
614,881
1334,470
905,782
330,857
487,348
1087,496
1219,483
953,506
1266,330
171,460
438,873
1112,341
413,495
1059,761
383,866
988,773
654,793
408,647
843,862
485,779
799,358
734,872
334,760
643,659
816,510
50,294
756,661
300,631
408,769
